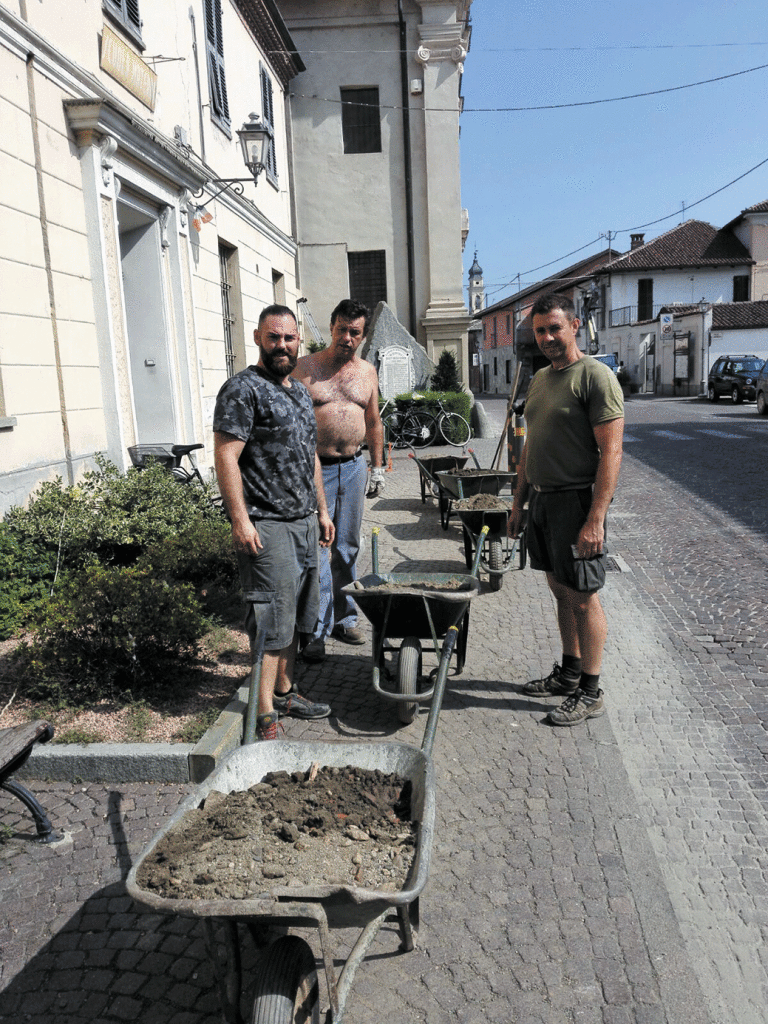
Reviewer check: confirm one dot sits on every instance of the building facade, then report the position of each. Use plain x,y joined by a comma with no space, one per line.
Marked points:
375,137
128,293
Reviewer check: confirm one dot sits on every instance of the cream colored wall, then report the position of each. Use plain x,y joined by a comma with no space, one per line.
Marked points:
63,356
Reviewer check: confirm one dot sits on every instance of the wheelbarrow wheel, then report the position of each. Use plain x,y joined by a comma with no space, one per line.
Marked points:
495,563
408,673
287,991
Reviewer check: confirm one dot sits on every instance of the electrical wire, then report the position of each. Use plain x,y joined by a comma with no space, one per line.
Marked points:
544,106
637,227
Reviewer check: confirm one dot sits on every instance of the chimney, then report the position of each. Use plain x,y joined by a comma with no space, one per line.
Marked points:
636,241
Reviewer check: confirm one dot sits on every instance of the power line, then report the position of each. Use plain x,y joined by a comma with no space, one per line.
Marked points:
659,220
544,106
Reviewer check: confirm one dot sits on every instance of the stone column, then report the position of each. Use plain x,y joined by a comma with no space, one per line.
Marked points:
441,53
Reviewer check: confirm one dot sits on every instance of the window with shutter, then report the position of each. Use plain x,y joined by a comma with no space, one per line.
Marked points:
214,45
268,117
126,14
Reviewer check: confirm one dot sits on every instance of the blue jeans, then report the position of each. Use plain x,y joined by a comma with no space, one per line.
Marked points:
344,485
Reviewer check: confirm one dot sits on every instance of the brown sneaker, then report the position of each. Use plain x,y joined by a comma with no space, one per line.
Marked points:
348,635
553,685
577,708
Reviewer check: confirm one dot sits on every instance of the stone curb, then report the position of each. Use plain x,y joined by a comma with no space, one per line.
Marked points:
141,762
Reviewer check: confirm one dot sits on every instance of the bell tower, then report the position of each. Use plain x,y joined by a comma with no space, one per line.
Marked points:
476,287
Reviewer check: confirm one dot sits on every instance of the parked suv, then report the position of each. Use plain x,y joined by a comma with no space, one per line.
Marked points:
734,376
761,390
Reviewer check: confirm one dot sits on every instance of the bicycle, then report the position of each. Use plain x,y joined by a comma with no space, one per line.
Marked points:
408,427
169,456
452,426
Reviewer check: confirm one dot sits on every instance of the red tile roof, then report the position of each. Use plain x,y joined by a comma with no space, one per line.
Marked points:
732,315
692,244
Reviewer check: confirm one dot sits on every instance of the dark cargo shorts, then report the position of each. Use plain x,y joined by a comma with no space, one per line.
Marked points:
554,521
280,584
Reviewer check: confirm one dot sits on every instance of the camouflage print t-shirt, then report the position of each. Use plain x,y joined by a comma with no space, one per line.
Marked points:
280,433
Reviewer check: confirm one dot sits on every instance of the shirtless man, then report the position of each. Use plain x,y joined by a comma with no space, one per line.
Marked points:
345,393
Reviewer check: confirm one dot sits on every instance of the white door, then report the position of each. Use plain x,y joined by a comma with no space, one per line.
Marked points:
146,323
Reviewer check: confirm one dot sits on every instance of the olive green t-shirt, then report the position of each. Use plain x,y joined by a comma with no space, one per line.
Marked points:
561,410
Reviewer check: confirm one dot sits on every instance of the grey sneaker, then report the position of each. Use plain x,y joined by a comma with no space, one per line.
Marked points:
577,708
292,703
553,685
348,634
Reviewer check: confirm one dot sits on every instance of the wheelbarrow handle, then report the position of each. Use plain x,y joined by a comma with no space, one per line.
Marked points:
479,551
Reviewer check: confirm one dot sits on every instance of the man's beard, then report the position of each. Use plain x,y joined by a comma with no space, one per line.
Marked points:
281,369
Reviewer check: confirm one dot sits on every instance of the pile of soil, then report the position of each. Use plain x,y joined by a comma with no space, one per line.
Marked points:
330,826
475,472
484,502
453,583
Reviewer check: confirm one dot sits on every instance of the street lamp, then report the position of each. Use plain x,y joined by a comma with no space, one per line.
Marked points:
255,142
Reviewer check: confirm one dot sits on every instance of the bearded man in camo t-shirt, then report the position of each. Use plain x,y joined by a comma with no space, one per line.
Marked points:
269,475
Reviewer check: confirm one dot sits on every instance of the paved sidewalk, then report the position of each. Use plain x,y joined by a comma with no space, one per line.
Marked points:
547,902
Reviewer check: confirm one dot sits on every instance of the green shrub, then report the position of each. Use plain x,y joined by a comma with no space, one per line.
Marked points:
446,376
110,632
26,572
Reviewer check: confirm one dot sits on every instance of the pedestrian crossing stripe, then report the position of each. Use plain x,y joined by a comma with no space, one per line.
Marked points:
672,435
628,437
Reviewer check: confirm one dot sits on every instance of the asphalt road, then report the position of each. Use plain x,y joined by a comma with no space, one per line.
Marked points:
611,874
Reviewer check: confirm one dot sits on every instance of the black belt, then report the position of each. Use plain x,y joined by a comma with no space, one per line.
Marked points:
334,460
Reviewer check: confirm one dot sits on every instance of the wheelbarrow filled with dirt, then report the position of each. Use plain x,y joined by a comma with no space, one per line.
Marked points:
430,466
414,607
464,483
252,921
498,552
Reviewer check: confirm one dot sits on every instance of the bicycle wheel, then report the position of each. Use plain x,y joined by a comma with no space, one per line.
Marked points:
418,429
454,428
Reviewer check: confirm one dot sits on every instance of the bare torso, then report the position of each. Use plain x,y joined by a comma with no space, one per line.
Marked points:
341,395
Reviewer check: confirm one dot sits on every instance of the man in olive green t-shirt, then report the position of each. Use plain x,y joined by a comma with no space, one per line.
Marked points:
569,467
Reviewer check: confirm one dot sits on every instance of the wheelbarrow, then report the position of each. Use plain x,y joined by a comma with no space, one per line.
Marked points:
465,483
430,466
413,607
497,550
286,989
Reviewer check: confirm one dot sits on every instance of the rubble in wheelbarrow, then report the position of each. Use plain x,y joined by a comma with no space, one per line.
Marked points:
415,583
339,826
482,502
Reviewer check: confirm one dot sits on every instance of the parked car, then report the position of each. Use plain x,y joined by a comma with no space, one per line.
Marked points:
609,359
761,390
735,376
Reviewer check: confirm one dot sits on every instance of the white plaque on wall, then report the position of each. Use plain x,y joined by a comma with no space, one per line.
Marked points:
396,372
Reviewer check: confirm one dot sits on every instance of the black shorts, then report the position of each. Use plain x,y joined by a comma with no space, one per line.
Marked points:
555,519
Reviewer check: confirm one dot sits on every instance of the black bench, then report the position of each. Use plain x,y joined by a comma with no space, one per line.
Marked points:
16,745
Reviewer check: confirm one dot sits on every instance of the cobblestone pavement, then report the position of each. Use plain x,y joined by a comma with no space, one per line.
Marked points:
609,874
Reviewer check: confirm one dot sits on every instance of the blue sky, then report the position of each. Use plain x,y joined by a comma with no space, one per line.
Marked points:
540,184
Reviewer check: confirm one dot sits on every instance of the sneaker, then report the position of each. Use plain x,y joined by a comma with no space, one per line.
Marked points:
348,634
267,725
292,703
314,651
577,708
554,685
